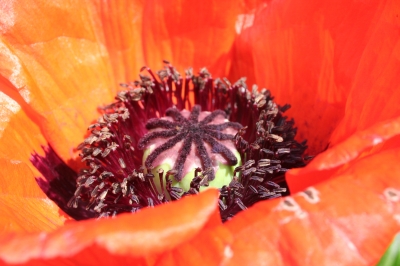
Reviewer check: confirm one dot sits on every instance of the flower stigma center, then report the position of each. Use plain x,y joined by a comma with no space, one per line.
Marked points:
206,143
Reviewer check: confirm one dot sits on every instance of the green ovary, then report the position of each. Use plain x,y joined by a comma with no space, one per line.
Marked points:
223,175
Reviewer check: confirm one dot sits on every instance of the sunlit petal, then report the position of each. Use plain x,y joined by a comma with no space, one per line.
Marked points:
23,205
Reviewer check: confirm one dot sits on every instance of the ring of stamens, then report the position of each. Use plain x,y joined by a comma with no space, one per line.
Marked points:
115,181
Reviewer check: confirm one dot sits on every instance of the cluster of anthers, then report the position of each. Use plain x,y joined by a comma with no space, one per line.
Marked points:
117,181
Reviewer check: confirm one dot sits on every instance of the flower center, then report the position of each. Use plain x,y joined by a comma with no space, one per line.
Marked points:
189,141
136,159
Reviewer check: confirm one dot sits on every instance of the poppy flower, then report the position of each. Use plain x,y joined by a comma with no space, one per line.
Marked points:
336,64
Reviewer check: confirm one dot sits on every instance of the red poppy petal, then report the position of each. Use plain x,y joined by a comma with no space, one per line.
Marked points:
209,247
349,220
138,33
327,163
22,207
316,56
19,136
21,199
191,33
149,232
122,29
57,67
375,88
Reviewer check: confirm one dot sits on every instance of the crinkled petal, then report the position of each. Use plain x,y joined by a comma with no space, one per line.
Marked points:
131,238
50,52
375,84
121,31
187,33
338,157
210,247
191,33
335,63
349,220
23,205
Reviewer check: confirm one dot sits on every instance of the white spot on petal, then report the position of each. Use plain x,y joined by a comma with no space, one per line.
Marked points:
8,107
48,201
376,140
244,21
392,194
397,218
289,204
311,195
228,252
351,246
7,15
26,94
13,70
